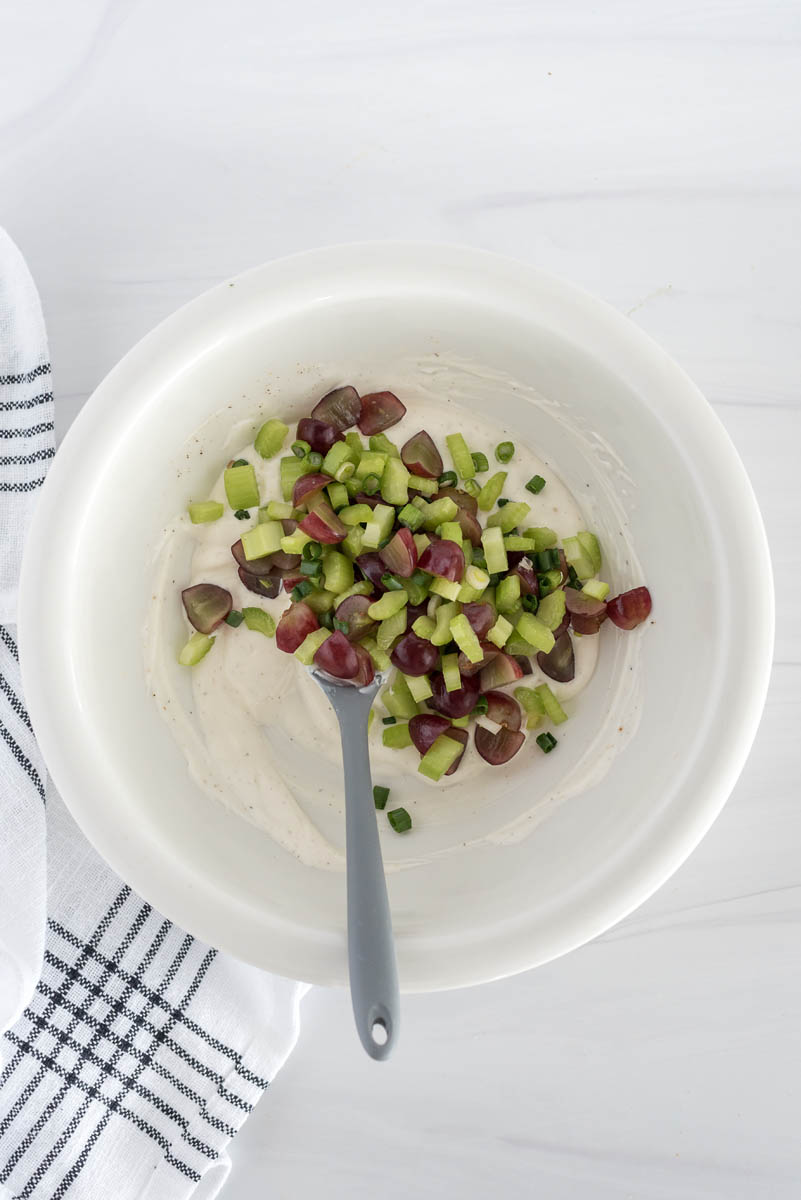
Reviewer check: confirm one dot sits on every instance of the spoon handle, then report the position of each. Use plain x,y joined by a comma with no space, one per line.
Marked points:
371,951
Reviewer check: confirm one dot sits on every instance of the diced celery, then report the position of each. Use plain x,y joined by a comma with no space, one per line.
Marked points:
241,488
320,601
419,483
499,634
438,511
467,551
410,516
392,628
310,645
344,473
596,588
421,540
462,633
468,594
507,593
534,631
450,672
442,624
338,495
549,580
258,619
420,503
339,453
270,437
262,540
513,541
451,531
337,572
551,609
419,686
398,698
440,755
397,737
291,469
353,484
489,596
462,458
356,514
509,516
203,511
361,588
352,544
512,614
553,708
395,482
542,535
371,463
591,547
531,704
491,491
387,605
518,645
447,588
494,551
381,660
293,543
417,592
196,648
379,526
355,442
380,441
424,627
578,558
276,510
460,722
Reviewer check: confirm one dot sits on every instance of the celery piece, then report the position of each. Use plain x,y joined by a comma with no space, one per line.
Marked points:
513,541
578,558
424,627
447,588
476,578
442,624
553,708
507,593
420,503
551,609
387,605
379,526
403,703
468,594
276,510
291,469
410,516
421,540
370,463
451,531
491,491
203,511
544,537
381,660
514,613
462,633
293,543
397,737
596,588
361,588
270,437
241,488
353,484
460,722
380,442
531,704
499,634
391,628
509,516
534,631
489,596
337,572
467,551
419,483
395,482
310,645
494,551
438,511
591,547
352,544
356,514
259,620
355,442
518,645
339,453
440,755
320,601
196,648
338,495
462,458
343,474
417,592
419,686
262,540
549,581
450,672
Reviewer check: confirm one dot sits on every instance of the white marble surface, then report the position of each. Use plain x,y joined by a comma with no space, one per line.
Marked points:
648,151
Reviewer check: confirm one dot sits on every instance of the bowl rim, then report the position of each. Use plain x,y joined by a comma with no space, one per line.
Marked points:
45,669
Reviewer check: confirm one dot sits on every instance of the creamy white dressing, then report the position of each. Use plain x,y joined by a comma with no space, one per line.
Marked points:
257,732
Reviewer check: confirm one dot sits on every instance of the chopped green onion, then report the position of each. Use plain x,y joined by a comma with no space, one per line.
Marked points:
397,737
389,720
504,451
546,742
471,487
270,438
380,795
572,578
311,567
302,589
258,619
400,820
546,560
462,459
195,649
300,449
482,706
328,622
312,551
535,484
242,514
344,473
315,460
530,604
203,511
240,462
371,485
391,583
341,626
417,592
448,479
234,619
241,488
503,502
480,461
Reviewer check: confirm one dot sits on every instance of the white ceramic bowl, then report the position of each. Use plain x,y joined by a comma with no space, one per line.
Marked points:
274,333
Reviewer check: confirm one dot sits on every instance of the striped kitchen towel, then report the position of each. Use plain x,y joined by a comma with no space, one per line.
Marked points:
132,1053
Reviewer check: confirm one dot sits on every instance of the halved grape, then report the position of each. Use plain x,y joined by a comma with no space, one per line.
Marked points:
562,626
319,434
295,625
498,748
207,605
454,704
586,613
469,526
523,662
443,558
307,489
501,670
421,456
414,655
468,668
366,671
529,584
353,611
380,411
263,585
559,663
413,611
284,562
400,554
460,498
257,566
323,524
337,657
290,579
339,408
629,609
289,525
363,498
503,710
372,568
481,618
425,728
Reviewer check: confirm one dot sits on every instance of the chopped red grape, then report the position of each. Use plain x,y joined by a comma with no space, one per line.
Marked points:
285,562
323,524
562,626
339,408
480,616
337,657
259,566
380,410
319,434
400,554
586,613
307,489
372,568
460,498
503,710
468,668
353,611
414,655
529,584
523,663
263,585
502,670
443,558
370,501
413,611
629,609
469,526
559,663
425,728
498,748
366,671
207,605
289,525
296,623
421,456
454,704
563,567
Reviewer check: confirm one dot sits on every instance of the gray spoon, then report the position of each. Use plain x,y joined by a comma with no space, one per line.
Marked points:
371,949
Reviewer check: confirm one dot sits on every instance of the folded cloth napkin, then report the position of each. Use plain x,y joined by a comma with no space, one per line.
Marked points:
132,1052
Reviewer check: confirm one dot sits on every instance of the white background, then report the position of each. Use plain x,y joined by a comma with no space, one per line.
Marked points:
650,152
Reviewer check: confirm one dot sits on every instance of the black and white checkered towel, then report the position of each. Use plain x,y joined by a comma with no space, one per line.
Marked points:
132,1053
